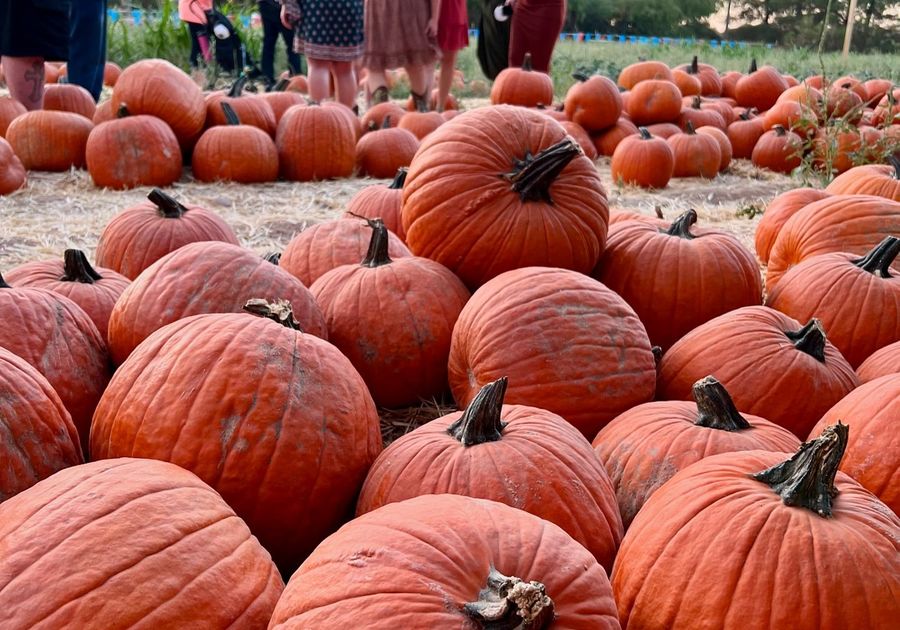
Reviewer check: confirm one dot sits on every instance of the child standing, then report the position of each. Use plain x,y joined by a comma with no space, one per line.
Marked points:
194,13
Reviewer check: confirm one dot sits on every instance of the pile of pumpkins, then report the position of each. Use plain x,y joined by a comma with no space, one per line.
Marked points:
643,440
655,123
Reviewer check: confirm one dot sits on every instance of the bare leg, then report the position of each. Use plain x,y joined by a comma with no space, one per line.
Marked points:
319,79
345,86
419,81
25,79
448,64
375,79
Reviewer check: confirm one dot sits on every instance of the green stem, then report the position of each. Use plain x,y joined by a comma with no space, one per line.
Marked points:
715,408
810,339
481,421
509,603
879,260
76,268
168,207
532,177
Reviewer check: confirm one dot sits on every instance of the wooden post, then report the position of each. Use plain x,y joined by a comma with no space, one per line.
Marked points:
848,34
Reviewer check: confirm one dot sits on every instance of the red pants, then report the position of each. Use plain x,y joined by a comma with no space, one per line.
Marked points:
536,25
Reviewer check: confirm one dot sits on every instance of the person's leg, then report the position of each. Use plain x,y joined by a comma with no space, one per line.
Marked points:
345,84
194,30
271,21
376,86
319,79
420,78
535,29
293,58
448,65
87,45
25,80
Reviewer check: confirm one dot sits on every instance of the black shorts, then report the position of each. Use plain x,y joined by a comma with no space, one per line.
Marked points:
35,28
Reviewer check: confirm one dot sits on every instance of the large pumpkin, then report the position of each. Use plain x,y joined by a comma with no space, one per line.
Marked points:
315,142
809,535
140,235
648,444
39,438
867,315
593,102
381,152
130,543
393,320
12,172
567,343
325,246
381,201
275,420
643,160
873,450
500,188
724,144
771,365
132,151
55,336
522,86
882,180
235,152
777,213
839,223
645,265
448,561
158,88
50,141
94,290
881,363
491,451
198,278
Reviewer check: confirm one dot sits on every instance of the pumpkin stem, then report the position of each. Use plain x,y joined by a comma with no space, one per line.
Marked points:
76,268
681,227
386,123
895,162
168,207
657,352
696,102
526,63
779,131
481,421
695,66
753,67
122,112
281,85
659,212
645,133
237,87
579,76
272,257
3,284
532,177
508,603
279,311
809,339
879,260
378,245
715,408
399,179
806,479
231,116
689,128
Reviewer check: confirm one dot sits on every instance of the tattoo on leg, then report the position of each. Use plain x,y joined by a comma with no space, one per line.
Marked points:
36,76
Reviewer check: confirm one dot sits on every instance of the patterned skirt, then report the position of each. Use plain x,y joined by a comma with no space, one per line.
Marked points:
330,30
396,34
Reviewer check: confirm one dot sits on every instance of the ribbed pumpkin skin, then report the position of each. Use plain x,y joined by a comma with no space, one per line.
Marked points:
538,451
158,88
325,246
865,318
885,361
567,343
133,151
203,278
50,141
654,101
138,236
235,153
315,143
607,141
414,564
779,151
777,213
870,179
251,110
582,138
760,89
647,162
55,336
642,71
748,352
648,444
96,299
10,109
37,437
380,153
673,283
524,87
595,103
695,155
69,97
277,421
715,546
744,134
378,201
873,449
840,223
12,172
280,102
130,543
724,144
459,211
394,323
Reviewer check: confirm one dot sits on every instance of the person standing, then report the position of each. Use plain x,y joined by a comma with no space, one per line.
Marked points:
535,29
453,36
87,45
31,32
270,13
194,13
330,34
493,39
401,33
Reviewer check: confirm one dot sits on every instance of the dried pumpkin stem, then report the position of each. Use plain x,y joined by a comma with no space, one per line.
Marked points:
779,131
123,112
689,128
879,260
895,162
378,245
168,207
399,178
645,133
231,116
807,478
3,284
281,85
526,62
272,257
695,66
809,339
532,177
753,67
508,603
76,268
279,311
481,421
696,102
681,227
715,408
237,87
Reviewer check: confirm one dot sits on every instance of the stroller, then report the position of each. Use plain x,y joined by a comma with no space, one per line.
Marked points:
231,55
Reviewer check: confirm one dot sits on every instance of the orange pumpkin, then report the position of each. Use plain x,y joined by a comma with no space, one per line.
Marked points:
420,124
744,133
250,109
49,141
10,109
695,155
606,142
710,82
12,172
724,144
880,363
700,117
760,88
654,101
522,86
314,143
643,70
871,179
380,201
104,112
585,142
778,150
380,153
382,114
643,160
593,102
69,97
281,100
777,213
687,84
236,152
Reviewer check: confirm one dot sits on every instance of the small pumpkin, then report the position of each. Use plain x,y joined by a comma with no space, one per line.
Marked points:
250,109
420,124
381,201
760,88
593,102
664,130
695,155
869,290
843,101
880,363
522,86
12,172
648,444
778,150
140,235
771,365
315,142
876,89
654,101
111,73
606,142
744,133
811,99
281,100
104,112
777,213
585,142
791,115
393,320
837,148
729,82
643,160
710,82
236,152
50,141
376,116
380,153
633,74
724,144
69,97
687,84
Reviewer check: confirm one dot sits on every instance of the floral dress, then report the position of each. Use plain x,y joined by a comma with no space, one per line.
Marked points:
329,30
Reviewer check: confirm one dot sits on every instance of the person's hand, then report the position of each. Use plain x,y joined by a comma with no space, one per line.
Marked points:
284,19
432,29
